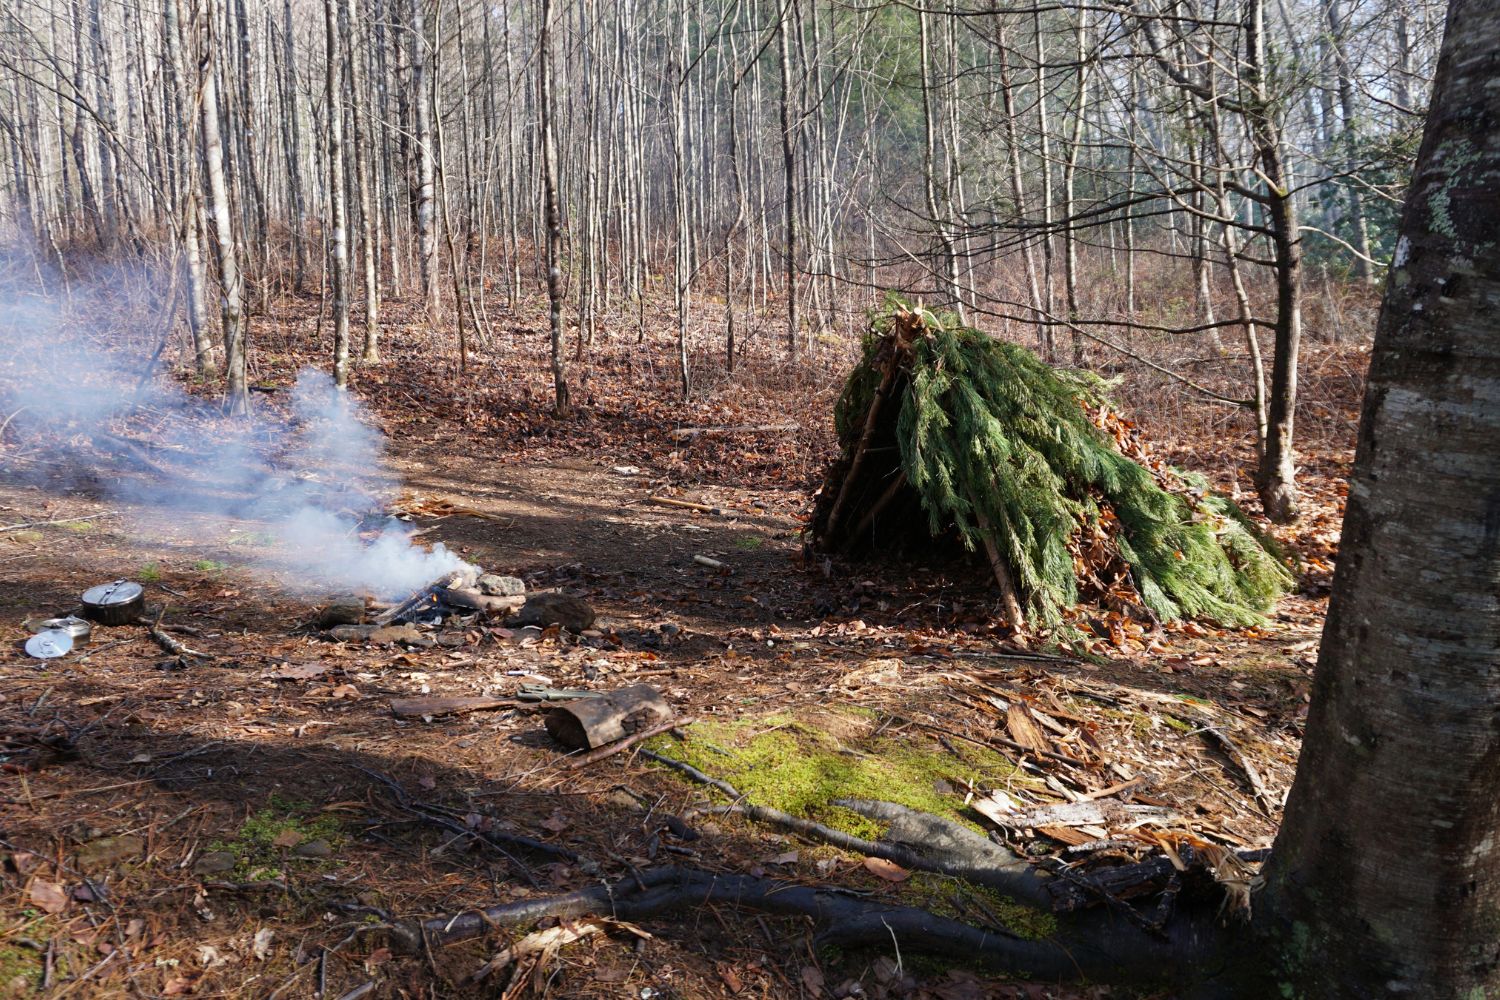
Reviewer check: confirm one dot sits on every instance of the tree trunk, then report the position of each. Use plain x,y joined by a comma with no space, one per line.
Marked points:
231,310
1385,879
553,212
1276,477
338,226
789,171
426,164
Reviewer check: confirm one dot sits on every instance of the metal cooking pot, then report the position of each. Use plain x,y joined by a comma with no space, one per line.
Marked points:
118,603
78,628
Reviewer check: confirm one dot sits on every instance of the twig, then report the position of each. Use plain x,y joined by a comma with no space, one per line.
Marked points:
494,838
170,644
10,418
596,755
689,505
61,520
1237,756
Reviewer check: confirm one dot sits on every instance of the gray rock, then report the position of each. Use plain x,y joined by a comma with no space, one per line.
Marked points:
109,851
214,862
342,611
572,613
501,586
314,849
352,633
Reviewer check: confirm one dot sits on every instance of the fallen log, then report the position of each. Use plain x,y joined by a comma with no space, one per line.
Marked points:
690,505
589,723
687,433
409,708
594,756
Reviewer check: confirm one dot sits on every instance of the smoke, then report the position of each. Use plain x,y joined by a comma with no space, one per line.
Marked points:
305,470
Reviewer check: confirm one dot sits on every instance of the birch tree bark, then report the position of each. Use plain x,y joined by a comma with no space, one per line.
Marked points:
231,295
1385,879
338,225
552,211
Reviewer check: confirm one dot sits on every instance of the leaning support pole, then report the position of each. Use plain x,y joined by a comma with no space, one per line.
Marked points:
1004,579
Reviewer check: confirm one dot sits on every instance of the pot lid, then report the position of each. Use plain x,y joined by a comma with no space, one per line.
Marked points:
109,595
49,645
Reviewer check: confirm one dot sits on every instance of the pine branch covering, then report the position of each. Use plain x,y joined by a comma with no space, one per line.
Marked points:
989,434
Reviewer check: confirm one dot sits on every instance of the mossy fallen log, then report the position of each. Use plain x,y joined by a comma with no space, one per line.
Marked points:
947,432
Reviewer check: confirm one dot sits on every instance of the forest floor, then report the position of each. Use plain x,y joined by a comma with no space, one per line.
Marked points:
220,828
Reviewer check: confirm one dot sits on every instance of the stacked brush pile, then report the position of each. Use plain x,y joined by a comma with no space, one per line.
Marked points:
949,434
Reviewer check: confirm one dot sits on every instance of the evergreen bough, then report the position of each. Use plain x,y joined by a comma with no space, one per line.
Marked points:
1001,447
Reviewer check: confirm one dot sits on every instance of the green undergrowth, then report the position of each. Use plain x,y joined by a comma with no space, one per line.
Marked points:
257,855
800,766
20,970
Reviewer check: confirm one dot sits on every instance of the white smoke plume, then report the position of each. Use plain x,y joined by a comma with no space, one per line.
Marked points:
306,469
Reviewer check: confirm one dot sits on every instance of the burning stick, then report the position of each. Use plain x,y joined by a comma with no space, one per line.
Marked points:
408,608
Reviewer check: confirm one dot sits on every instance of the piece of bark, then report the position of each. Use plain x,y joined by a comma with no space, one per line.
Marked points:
1023,728
1099,812
596,755
593,722
407,708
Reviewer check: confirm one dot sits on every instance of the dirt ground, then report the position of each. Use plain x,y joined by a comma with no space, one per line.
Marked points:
227,826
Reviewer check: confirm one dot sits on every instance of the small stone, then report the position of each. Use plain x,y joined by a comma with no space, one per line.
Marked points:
108,851
314,849
214,862
392,634
352,633
501,586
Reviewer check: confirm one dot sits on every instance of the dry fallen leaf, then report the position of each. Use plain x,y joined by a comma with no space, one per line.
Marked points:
287,838
731,978
888,870
49,896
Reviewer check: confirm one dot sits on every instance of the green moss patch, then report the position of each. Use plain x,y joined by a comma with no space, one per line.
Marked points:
20,970
801,765
976,904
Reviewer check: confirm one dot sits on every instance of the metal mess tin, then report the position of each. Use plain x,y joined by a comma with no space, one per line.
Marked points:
78,628
49,645
118,603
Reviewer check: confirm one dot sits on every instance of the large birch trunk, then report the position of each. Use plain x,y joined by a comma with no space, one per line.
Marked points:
1385,880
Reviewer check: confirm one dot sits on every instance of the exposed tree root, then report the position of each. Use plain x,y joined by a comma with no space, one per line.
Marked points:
1106,949
1097,943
